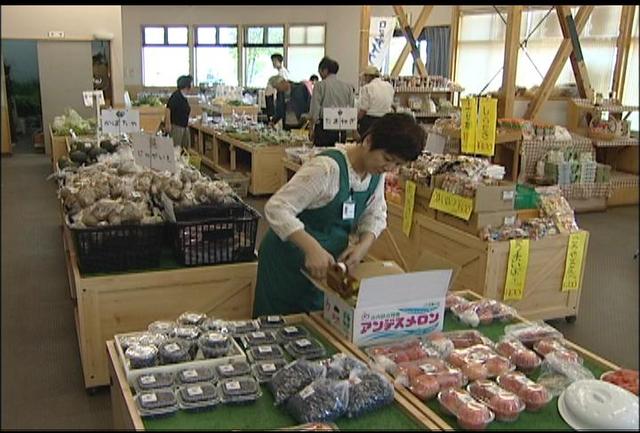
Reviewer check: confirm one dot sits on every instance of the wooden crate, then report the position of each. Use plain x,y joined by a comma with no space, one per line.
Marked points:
114,304
59,147
483,264
126,416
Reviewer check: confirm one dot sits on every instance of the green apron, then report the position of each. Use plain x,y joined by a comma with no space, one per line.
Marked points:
281,287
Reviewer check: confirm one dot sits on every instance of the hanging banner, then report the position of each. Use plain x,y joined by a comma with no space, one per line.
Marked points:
573,263
468,120
409,200
486,130
516,269
380,34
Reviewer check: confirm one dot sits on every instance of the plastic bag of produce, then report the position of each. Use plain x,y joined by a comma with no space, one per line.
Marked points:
368,391
293,377
557,373
340,366
322,400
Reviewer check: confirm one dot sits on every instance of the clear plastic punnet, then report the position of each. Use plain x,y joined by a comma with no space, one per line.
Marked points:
469,412
214,344
323,400
273,321
483,312
480,362
387,356
241,389
233,369
446,342
174,352
259,338
525,359
265,352
505,404
557,373
239,328
194,375
306,347
198,396
531,333
549,345
289,333
158,402
428,376
191,318
140,356
293,377
264,370
534,395
452,300
146,382
165,327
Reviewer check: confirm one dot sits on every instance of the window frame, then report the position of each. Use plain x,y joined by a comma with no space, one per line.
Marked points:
265,36
197,44
165,28
307,44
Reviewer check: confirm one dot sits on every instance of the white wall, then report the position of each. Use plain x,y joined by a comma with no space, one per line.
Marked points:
342,27
77,22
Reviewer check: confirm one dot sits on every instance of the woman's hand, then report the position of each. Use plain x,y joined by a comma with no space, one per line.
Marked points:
353,255
317,260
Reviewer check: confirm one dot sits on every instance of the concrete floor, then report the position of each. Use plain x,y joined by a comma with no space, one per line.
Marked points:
42,386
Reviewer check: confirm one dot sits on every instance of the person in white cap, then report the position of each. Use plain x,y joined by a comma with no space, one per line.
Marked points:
376,99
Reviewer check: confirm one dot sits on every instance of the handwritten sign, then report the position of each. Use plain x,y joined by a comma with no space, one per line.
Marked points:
120,121
340,118
516,269
468,120
486,130
451,204
87,97
409,200
154,152
435,143
573,263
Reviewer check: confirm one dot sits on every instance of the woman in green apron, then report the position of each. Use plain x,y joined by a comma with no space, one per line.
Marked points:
335,194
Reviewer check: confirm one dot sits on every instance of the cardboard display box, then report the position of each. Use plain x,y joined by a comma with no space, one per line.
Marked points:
478,220
390,304
490,198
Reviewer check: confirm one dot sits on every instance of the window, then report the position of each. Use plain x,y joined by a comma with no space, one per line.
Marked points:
216,55
165,55
305,50
260,43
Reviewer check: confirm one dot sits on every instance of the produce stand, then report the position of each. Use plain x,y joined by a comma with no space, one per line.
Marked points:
547,419
262,414
59,147
484,264
108,304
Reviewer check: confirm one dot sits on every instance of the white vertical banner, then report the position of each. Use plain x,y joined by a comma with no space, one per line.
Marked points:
380,34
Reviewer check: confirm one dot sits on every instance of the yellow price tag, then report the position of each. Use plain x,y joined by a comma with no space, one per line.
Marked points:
468,120
573,263
516,269
486,131
452,204
409,199
195,160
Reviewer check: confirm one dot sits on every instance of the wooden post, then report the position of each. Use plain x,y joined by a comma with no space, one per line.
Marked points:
580,72
511,48
408,34
453,55
556,66
365,23
623,48
420,23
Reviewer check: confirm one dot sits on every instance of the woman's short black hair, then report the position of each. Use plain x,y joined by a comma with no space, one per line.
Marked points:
184,81
329,64
277,57
314,77
398,134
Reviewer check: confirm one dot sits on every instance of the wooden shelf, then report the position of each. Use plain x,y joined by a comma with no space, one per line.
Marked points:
584,104
431,115
617,142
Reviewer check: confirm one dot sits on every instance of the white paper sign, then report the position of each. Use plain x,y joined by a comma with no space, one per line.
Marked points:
380,34
435,143
120,121
154,152
340,118
88,95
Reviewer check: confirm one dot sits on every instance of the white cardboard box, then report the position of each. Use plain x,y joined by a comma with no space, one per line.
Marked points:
391,304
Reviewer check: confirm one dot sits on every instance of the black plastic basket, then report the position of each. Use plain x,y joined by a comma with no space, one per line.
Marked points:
214,234
119,248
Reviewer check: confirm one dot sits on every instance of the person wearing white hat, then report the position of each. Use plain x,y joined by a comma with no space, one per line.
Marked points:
376,99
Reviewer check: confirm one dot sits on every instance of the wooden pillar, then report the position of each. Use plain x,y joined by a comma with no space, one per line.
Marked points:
365,23
408,34
511,48
455,29
570,32
623,48
556,66
420,23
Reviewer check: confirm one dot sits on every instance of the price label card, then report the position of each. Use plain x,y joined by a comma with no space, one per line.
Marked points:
516,269
190,374
149,398
268,368
290,330
486,129
258,334
451,204
307,392
147,380
340,118
573,262
120,121
227,368
303,343
468,120
163,157
194,390
265,349
232,386
273,319
409,201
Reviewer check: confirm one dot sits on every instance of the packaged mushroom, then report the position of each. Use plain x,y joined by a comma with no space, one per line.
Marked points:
189,334
156,403
198,396
192,319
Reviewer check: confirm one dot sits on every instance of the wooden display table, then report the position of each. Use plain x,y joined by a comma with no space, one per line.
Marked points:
126,302
484,264
261,415
547,419
59,147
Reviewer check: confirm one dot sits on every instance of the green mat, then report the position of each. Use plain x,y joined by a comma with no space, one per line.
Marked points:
264,415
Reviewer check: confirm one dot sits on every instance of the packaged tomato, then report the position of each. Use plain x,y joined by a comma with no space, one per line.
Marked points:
389,355
505,404
624,378
446,342
480,362
525,359
548,345
426,377
453,300
470,413
534,395
483,312
530,333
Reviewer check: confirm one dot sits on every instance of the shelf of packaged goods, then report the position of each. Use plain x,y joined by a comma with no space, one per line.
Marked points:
585,105
617,142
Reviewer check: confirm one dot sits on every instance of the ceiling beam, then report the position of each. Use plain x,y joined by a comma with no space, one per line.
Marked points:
420,23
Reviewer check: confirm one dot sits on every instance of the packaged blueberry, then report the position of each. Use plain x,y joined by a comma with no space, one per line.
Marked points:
211,324
270,322
193,375
239,328
146,382
165,327
322,400
368,391
233,369
259,338
174,351
240,389
198,396
190,318
293,377
307,347
214,344
189,334
140,356
152,339
289,333
127,341
265,352
264,370
340,366
156,403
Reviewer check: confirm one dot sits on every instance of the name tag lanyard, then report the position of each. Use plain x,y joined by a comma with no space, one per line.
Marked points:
349,207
